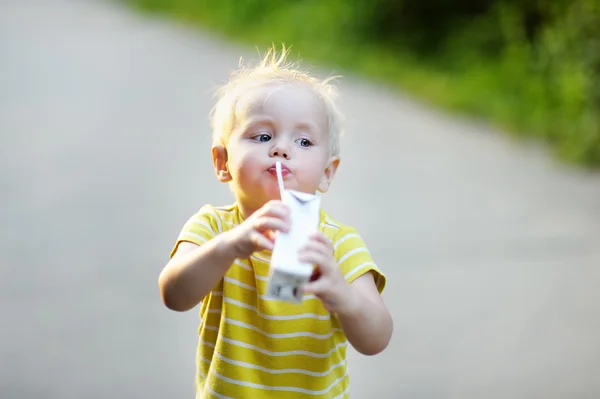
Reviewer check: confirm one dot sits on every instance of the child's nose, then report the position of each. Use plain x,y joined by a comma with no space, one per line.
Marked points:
280,154
280,150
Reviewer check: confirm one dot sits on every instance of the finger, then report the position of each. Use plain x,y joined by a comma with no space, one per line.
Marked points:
317,246
317,287
316,258
322,238
275,208
312,256
277,213
260,241
265,223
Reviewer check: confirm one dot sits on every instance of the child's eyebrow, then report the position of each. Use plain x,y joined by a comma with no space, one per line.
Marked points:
310,127
258,121
254,122
269,122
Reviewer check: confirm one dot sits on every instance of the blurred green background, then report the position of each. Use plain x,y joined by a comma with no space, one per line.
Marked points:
531,67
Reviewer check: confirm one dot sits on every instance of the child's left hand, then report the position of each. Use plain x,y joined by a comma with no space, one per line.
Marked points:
330,286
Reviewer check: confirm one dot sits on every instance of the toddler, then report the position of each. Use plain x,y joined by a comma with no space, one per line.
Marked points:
251,346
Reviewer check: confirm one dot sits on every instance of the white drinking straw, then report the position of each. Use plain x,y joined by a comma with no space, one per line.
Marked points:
279,178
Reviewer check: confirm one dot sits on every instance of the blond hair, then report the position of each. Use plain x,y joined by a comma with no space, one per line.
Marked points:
274,68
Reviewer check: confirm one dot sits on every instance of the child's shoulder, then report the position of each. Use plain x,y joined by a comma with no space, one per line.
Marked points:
219,216
332,227
211,208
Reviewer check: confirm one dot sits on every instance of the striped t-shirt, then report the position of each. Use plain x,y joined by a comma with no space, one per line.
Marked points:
253,347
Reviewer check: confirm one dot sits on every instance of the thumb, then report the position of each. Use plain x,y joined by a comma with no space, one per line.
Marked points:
315,287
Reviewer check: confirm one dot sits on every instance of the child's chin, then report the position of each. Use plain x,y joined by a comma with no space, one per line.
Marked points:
262,197
272,193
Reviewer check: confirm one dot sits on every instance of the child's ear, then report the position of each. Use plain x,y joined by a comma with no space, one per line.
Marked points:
329,173
219,157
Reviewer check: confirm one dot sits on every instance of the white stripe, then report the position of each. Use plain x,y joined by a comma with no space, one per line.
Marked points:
200,222
277,371
250,269
331,222
205,343
216,215
271,335
218,395
196,236
216,293
307,297
260,259
329,225
344,238
357,268
259,277
211,328
349,254
346,391
270,317
239,283
226,209
279,388
214,310
288,353
242,265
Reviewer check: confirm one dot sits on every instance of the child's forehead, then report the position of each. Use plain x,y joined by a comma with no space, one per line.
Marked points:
256,99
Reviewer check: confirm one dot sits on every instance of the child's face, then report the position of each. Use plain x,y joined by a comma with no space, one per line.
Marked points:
278,123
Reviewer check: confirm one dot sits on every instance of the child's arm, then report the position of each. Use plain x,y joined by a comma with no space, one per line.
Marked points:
365,319
367,323
195,270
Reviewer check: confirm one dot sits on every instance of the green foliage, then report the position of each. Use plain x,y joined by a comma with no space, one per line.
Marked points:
532,66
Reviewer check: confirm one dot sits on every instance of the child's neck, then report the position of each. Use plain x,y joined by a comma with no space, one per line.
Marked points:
246,210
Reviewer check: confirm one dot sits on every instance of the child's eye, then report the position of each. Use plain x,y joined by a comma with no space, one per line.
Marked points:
304,142
262,137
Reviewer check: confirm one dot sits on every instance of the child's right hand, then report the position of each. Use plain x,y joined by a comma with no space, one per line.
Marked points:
257,232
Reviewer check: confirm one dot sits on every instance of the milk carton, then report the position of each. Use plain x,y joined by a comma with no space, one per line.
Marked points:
287,274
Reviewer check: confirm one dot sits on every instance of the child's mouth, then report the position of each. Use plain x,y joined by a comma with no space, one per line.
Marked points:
284,171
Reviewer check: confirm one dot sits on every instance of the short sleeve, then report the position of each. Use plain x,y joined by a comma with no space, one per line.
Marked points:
354,258
199,228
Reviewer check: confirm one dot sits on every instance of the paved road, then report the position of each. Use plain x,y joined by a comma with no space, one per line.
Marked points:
492,249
